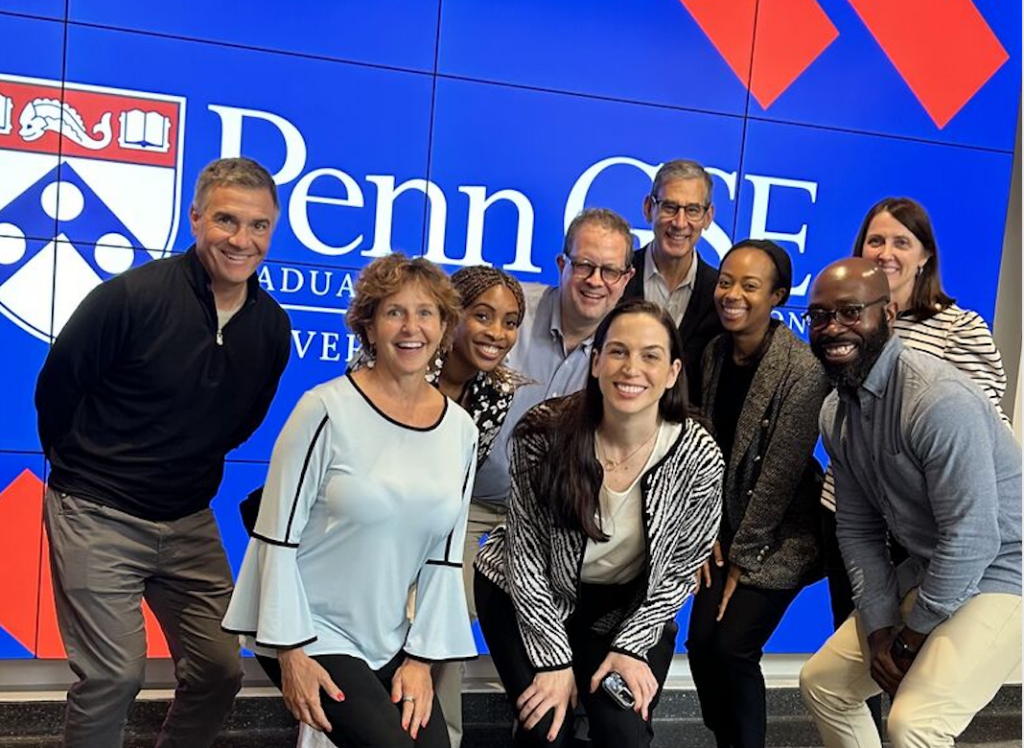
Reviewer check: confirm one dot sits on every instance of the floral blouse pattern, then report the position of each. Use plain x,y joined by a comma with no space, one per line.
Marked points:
487,398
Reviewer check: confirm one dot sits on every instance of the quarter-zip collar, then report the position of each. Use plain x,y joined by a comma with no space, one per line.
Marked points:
199,279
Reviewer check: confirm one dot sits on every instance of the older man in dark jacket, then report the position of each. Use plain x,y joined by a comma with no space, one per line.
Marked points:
669,271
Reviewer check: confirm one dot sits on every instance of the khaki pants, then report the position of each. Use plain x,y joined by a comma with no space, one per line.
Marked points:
448,675
958,671
105,562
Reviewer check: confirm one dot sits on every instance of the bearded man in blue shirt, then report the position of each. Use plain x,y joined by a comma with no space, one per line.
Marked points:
920,455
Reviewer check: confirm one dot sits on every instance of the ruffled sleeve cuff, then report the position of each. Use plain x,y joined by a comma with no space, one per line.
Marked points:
441,629
269,606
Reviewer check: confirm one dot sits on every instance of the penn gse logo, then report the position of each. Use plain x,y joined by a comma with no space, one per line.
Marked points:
90,187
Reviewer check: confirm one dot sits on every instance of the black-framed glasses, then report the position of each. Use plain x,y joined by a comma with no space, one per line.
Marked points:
847,315
692,211
584,269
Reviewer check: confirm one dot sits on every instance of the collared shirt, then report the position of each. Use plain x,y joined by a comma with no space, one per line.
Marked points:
919,450
551,371
656,289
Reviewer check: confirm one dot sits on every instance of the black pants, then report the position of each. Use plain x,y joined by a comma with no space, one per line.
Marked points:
840,592
367,718
725,658
610,725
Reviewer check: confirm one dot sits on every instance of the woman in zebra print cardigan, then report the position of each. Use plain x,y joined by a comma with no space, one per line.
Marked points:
616,501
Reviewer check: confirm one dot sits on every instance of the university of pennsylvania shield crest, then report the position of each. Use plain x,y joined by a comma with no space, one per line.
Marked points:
90,186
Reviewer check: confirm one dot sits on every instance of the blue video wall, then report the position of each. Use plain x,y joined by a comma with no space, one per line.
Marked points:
467,132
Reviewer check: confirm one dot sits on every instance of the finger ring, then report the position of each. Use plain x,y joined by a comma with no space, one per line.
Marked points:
408,698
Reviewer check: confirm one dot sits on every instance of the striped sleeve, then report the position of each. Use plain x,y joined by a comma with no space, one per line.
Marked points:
962,338
528,560
971,349
828,490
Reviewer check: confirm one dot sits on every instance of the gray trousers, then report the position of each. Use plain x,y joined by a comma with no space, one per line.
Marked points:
105,562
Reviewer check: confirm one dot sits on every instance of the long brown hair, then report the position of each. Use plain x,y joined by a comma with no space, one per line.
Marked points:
927,299
569,478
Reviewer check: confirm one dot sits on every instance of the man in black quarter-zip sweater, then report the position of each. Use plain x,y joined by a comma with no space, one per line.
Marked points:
159,374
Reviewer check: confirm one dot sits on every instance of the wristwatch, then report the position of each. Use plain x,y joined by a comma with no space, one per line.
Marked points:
902,650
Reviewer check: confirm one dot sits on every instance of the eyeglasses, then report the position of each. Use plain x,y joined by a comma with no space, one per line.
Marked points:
847,315
669,209
584,269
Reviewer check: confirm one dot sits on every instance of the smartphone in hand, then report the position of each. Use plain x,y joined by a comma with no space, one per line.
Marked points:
616,688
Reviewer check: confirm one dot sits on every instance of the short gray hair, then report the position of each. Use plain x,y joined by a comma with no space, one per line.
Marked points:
605,218
233,172
682,168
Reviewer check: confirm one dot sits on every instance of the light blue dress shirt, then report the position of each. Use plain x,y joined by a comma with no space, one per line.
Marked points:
919,450
553,371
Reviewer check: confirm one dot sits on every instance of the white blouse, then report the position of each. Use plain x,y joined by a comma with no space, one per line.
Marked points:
357,508
620,559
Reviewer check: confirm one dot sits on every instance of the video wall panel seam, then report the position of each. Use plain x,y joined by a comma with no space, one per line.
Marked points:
430,133
33,16
243,47
486,81
873,134
738,204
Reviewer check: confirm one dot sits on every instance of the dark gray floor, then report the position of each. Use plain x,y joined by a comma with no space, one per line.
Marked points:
262,722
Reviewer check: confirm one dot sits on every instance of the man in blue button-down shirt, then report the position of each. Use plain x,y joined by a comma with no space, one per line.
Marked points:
554,354
920,452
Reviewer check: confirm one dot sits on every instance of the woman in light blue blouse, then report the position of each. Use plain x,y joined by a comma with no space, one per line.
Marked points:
367,494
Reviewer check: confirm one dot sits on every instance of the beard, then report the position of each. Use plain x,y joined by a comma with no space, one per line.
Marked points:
852,375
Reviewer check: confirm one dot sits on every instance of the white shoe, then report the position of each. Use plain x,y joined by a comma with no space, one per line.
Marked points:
310,737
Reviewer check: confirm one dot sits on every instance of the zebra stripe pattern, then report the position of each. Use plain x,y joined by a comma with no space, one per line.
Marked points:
538,563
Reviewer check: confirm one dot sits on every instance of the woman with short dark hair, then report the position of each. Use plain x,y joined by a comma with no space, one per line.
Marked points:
615,504
763,389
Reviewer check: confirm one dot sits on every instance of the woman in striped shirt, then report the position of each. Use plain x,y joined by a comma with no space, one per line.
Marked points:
897,236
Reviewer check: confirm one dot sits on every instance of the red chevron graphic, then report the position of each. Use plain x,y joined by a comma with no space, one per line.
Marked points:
21,527
26,587
730,28
790,36
945,51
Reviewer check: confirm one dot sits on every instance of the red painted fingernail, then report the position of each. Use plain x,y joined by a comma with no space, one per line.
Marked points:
340,696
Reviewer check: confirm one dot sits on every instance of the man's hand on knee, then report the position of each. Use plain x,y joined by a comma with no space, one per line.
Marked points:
884,670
